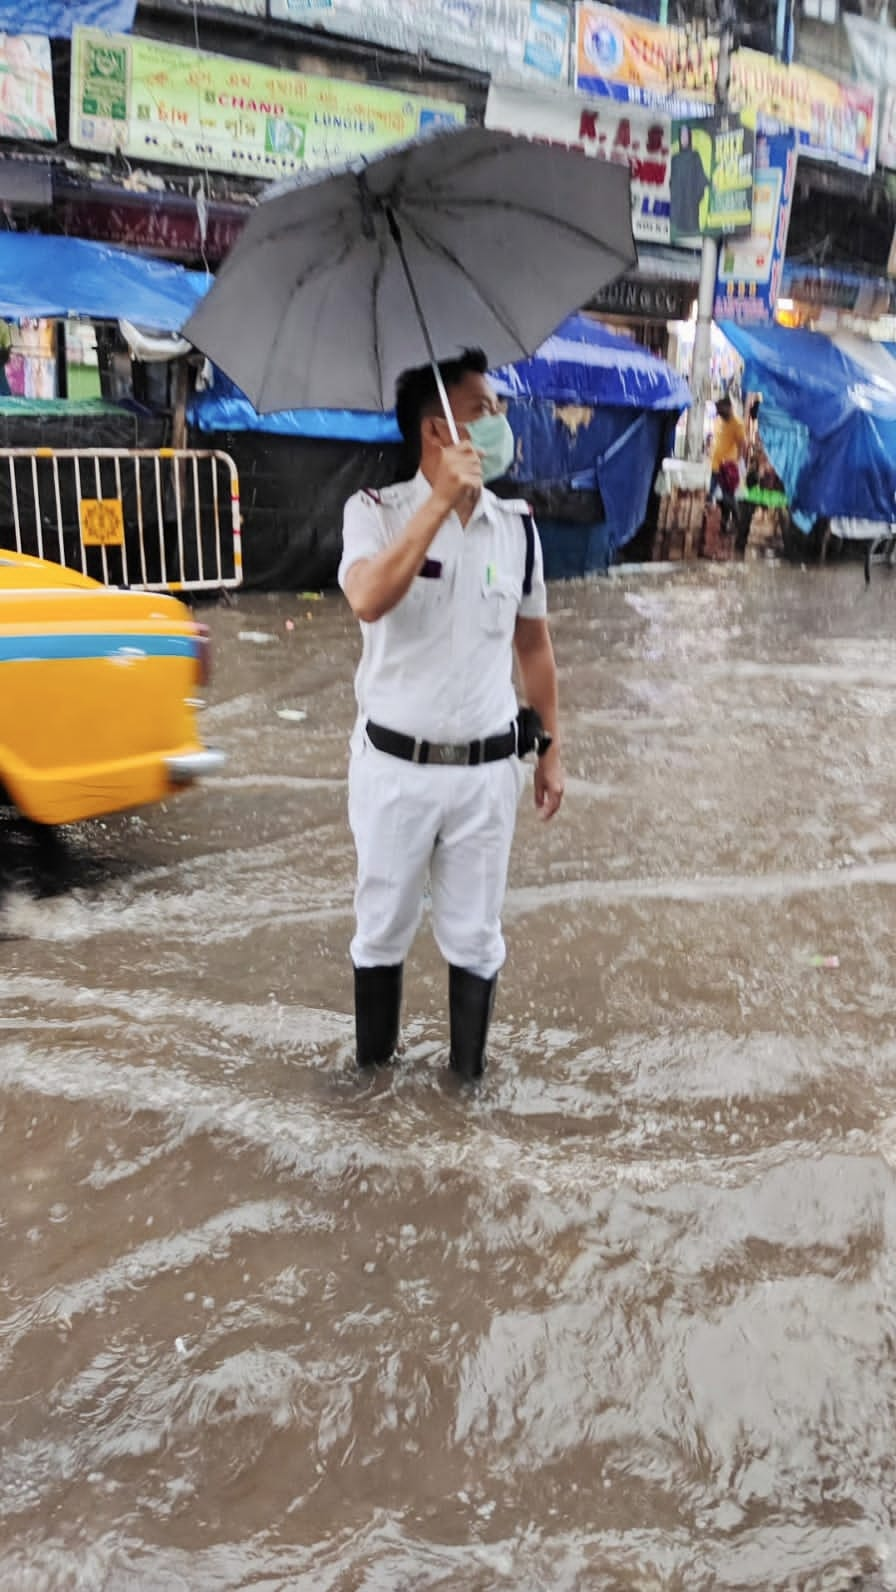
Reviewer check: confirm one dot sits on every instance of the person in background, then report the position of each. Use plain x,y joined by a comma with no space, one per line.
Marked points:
729,436
447,582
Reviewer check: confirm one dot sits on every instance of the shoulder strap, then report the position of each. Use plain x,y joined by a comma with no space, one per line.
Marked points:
529,528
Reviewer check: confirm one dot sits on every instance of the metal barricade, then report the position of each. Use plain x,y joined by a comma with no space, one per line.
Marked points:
156,519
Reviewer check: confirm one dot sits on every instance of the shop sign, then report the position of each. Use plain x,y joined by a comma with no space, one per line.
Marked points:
711,178
631,137
646,63
27,109
516,38
834,121
159,102
749,273
643,63
57,19
153,225
820,288
646,300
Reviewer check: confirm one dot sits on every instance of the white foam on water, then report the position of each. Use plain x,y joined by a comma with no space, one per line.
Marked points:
705,887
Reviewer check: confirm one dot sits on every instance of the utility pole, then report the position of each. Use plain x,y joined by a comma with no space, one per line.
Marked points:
701,364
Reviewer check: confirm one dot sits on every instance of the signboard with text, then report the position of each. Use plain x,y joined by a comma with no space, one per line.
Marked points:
750,268
27,109
515,38
159,102
711,179
643,63
833,121
625,135
674,69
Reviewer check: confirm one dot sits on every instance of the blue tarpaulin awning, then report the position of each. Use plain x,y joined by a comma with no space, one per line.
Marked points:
223,407
828,417
50,278
585,363
591,411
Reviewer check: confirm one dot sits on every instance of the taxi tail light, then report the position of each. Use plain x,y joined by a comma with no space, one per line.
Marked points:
204,653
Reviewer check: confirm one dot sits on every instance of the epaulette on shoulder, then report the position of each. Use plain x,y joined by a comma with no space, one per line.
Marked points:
387,496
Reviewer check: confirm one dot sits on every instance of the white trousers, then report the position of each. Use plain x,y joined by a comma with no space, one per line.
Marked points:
452,825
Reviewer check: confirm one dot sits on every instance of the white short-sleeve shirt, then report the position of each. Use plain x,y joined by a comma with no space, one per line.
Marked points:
439,665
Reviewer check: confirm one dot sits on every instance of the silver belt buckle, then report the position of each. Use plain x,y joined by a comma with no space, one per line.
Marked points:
451,754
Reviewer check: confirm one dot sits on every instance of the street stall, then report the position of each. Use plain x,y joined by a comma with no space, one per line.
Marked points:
100,481
69,307
828,425
593,415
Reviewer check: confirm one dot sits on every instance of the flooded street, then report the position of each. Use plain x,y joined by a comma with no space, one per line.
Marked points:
622,1320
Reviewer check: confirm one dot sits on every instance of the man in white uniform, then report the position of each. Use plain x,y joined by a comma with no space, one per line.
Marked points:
447,581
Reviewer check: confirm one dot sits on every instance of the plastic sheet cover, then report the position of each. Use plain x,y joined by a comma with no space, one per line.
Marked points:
51,278
584,363
610,455
222,407
828,419
56,18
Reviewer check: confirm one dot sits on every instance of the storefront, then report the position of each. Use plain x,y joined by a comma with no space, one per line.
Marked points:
648,303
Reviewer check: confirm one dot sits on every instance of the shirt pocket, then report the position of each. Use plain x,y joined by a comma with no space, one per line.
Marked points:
422,605
499,605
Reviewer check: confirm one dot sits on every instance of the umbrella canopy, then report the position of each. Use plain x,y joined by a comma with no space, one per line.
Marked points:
500,238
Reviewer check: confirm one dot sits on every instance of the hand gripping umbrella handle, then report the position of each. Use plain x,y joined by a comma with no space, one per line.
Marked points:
395,233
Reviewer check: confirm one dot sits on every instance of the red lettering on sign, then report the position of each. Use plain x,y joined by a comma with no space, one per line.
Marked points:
651,172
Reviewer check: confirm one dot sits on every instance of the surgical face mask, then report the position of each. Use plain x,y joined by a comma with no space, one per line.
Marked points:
492,438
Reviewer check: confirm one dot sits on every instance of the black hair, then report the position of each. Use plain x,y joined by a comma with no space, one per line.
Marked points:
417,396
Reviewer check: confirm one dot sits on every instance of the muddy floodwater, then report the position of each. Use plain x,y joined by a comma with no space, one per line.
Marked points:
622,1320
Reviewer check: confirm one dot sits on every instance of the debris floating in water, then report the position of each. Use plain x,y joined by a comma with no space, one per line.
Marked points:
294,715
259,637
824,961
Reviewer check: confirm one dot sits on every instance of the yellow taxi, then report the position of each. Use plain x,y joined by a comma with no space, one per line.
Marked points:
97,694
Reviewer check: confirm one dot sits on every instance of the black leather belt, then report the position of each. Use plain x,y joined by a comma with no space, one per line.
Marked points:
489,750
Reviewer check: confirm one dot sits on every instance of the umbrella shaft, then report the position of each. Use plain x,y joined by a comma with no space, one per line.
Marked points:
395,232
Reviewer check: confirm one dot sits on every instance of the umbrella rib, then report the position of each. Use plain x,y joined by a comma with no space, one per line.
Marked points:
374,307
334,221
442,249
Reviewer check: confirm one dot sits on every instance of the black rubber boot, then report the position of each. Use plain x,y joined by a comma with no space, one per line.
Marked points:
377,1013
471,1000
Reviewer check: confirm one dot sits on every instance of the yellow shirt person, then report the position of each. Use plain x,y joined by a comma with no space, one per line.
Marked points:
729,438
